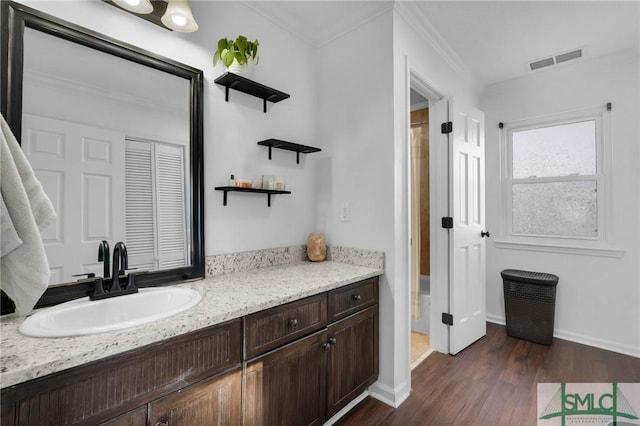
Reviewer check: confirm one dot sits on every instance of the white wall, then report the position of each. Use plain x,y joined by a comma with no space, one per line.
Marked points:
418,52
364,120
597,297
231,130
356,125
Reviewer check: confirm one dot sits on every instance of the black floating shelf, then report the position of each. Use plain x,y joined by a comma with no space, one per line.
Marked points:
242,84
269,192
289,146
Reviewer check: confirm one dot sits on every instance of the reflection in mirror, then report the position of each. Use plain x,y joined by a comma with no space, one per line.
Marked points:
114,133
108,139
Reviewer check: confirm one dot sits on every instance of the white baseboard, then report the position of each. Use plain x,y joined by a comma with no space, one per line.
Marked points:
496,319
390,396
378,391
598,343
346,409
583,339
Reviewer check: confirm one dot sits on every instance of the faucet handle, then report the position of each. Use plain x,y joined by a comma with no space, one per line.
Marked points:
98,289
89,275
131,284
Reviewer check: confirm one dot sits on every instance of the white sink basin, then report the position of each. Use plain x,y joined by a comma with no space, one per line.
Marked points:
82,316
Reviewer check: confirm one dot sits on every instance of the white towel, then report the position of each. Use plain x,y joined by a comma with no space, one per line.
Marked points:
26,210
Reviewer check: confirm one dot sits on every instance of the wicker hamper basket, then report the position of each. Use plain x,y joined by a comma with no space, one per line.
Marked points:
530,302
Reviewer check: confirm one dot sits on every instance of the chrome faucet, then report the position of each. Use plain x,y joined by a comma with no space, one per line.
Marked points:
120,264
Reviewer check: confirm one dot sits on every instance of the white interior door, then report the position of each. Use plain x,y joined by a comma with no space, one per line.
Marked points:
81,169
467,278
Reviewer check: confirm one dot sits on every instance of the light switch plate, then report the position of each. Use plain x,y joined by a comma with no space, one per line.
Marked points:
345,213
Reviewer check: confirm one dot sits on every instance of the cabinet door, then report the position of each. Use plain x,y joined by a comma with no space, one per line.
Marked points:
215,401
288,385
137,417
353,358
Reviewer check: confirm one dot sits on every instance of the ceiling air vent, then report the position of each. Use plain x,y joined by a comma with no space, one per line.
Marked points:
556,59
541,63
564,57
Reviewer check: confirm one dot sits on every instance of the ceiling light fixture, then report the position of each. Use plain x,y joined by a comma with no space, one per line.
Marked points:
136,6
178,17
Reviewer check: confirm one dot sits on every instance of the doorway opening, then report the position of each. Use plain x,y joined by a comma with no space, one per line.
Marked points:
420,228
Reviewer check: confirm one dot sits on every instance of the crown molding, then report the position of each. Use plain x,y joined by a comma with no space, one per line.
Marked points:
331,33
42,79
414,16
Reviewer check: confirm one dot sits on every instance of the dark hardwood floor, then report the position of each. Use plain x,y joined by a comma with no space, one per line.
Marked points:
493,382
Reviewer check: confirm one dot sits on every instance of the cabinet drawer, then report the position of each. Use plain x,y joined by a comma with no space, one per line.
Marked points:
347,300
273,327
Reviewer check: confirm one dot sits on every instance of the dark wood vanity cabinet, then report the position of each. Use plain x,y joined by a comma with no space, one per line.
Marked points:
271,328
298,364
215,401
353,359
310,379
101,391
353,335
287,386
137,417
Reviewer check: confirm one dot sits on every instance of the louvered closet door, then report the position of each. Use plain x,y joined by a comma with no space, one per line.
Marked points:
141,226
156,202
172,237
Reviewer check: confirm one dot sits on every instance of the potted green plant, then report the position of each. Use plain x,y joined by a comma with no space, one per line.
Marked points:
238,55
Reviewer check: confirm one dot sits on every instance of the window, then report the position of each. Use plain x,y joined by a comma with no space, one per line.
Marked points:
554,182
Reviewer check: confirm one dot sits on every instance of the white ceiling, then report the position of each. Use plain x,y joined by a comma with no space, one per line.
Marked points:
494,39
497,39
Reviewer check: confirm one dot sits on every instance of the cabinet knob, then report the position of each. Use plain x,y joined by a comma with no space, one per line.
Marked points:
293,323
332,340
356,297
327,346
162,424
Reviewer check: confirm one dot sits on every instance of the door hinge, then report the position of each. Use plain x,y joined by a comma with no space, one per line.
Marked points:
447,222
446,127
447,319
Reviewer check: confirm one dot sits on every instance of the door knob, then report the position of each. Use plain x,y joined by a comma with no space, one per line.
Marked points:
485,234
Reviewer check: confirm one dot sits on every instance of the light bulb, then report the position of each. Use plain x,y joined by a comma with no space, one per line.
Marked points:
179,20
136,6
178,17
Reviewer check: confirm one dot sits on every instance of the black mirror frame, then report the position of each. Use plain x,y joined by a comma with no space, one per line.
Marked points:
14,18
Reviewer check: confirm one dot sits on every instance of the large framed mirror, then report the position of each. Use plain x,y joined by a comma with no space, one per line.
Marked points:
115,135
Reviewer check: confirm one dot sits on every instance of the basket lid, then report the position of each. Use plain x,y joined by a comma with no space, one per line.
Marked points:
529,277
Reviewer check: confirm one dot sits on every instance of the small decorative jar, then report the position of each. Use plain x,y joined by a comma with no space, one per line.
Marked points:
316,247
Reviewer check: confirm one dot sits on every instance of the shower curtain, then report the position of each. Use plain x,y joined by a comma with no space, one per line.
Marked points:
416,134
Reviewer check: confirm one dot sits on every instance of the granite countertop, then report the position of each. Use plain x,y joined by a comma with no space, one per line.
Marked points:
224,297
